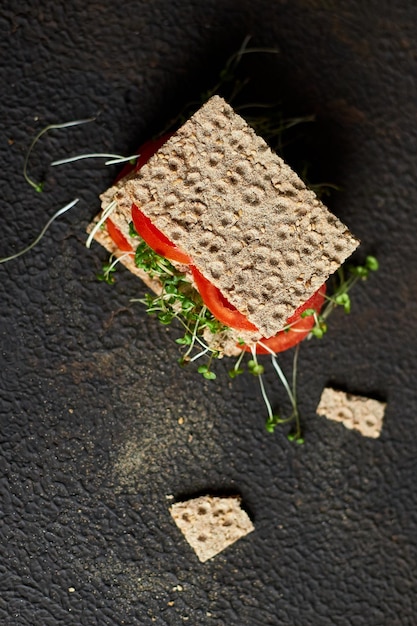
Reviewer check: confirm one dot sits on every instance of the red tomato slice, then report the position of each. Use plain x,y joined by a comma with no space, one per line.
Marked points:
156,239
300,326
218,305
118,238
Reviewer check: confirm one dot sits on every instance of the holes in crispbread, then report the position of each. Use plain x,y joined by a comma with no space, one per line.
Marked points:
274,261
219,121
174,164
227,219
291,259
279,313
197,208
242,169
215,158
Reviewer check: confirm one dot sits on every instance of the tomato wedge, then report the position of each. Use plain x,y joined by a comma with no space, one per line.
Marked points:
223,310
156,239
300,326
118,238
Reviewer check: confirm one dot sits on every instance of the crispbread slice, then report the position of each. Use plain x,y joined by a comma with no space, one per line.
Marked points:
355,412
210,524
247,220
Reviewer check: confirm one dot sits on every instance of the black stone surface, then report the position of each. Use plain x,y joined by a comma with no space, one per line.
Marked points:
90,391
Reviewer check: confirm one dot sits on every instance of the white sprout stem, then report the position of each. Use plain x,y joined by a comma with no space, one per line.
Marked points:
122,159
106,213
163,268
200,354
245,50
195,331
239,360
67,207
40,134
262,387
294,375
265,398
284,381
118,260
281,374
114,158
197,338
256,105
292,393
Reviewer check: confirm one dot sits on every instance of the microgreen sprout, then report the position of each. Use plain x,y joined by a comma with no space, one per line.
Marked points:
344,279
61,211
113,159
237,369
179,301
106,213
39,186
253,366
109,268
274,419
228,73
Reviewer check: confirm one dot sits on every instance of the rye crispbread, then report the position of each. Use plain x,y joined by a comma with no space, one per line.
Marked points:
247,220
354,412
210,524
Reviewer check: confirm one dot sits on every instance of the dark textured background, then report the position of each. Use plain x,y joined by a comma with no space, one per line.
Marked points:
90,390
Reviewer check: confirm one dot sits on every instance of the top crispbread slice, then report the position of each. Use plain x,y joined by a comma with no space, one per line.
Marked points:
247,220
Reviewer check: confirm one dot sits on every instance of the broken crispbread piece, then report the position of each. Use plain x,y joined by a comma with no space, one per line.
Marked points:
355,412
246,219
210,524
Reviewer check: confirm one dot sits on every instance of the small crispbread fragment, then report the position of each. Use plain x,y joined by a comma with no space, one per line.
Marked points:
355,412
210,524
247,220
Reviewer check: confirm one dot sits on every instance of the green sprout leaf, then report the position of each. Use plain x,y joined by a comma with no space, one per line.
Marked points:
132,230
343,299
235,372
317,332
371,263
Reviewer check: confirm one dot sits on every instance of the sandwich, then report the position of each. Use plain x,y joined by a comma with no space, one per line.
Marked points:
228,238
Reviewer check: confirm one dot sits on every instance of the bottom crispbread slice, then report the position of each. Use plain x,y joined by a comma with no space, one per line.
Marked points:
354,412
210,524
